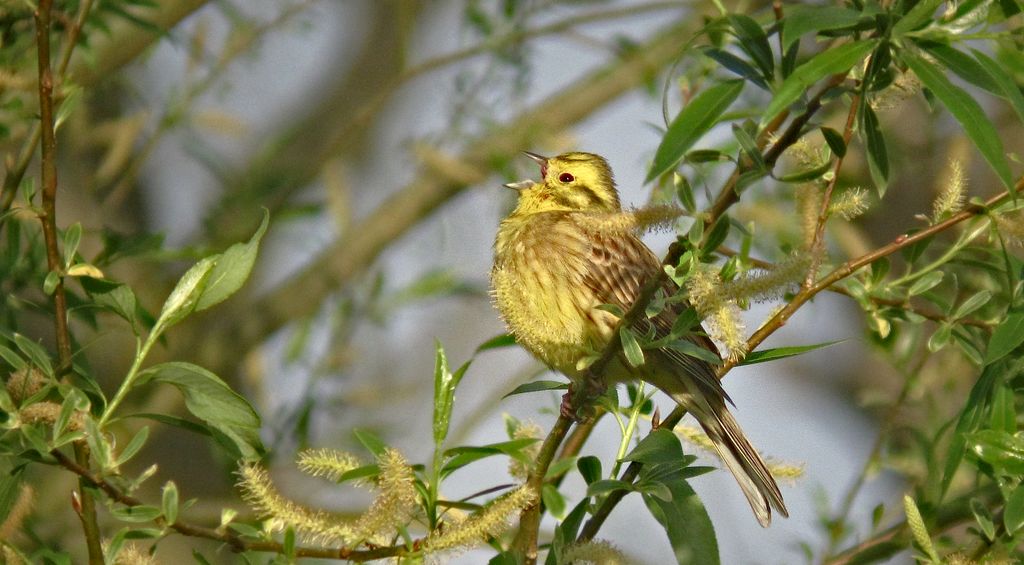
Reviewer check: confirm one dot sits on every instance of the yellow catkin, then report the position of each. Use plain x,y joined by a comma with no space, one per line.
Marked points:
1011,226
20,510
850,204
721,316
951,198
489,522
765,284
130,554
640,220
594,552
903,87
314,526
808,206
329,464
394,505
520,469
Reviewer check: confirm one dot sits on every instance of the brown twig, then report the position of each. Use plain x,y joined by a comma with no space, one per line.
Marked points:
851,266
48,217
225,535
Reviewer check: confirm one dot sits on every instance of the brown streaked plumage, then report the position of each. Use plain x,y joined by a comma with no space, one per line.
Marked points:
568,248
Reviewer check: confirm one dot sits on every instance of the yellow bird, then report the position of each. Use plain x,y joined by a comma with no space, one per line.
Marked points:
568,248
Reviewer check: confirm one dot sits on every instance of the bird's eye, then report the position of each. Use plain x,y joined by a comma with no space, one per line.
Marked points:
566,177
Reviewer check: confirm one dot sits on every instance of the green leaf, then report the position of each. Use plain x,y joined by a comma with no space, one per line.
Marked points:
1007,86
775,353
12,358
169,502
926,283
829,62
687,347
38,356
1004,416
802,19
684,192
963,65
497,342
699,116
370,441
444,393
553,501
968,306
835,142
139,513
1007,336
967,111
877,154
10,491
660,446
1003,451
114,297
182,300
921,12
686,523
1013,514
590,468
133,446
754,41
536,386
72,238
605,486
984,518
231,269
631,348
212,401
50,282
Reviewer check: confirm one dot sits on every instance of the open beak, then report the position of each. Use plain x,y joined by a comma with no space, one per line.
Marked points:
540,160
521,185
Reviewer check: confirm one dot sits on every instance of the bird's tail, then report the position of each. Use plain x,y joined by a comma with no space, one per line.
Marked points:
733,448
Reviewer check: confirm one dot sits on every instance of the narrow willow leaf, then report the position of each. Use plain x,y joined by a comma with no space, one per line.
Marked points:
169,502
835,141
1005,452
535,386
829,62
877,154
803,18
660,446
1002,77
737,65
754,41
38,356
917,16
926,283
1007,336
967,111
983,518
686,523
772,354
699,116
497,342
963,65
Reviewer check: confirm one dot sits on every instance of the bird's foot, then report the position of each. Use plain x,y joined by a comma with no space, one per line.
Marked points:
578,401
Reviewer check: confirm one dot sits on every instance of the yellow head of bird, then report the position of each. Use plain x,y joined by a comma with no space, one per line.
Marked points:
570,182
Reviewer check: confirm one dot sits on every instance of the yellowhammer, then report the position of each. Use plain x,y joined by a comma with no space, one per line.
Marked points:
569,248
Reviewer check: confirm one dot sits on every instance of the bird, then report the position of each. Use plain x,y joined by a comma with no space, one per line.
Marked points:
566,252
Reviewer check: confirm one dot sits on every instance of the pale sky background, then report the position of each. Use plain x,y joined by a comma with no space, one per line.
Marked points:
792,410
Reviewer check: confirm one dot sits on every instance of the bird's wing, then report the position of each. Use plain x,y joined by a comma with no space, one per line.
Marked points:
618,267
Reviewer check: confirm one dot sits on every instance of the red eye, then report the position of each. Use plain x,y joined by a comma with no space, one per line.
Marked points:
566,177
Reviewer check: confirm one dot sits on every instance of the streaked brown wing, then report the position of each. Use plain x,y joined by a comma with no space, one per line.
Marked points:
618,268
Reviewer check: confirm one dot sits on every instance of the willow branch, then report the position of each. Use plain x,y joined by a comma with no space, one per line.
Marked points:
225,535
48,217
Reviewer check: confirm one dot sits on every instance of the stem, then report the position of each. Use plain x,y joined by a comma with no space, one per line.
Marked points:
48,217
133,372
630,429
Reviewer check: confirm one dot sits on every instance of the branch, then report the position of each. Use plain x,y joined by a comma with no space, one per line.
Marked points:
225,535
48,217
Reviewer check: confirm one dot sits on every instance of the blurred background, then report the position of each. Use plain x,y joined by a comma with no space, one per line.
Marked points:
378,134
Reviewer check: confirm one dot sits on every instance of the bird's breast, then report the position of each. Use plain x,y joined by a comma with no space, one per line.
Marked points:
538,285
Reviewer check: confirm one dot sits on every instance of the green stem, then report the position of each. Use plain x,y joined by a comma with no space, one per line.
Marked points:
141,351
630,430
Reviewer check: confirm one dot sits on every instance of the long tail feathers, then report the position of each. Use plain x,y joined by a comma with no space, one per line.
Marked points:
746,465
732,445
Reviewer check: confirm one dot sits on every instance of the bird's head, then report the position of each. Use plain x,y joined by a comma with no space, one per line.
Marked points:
569,182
